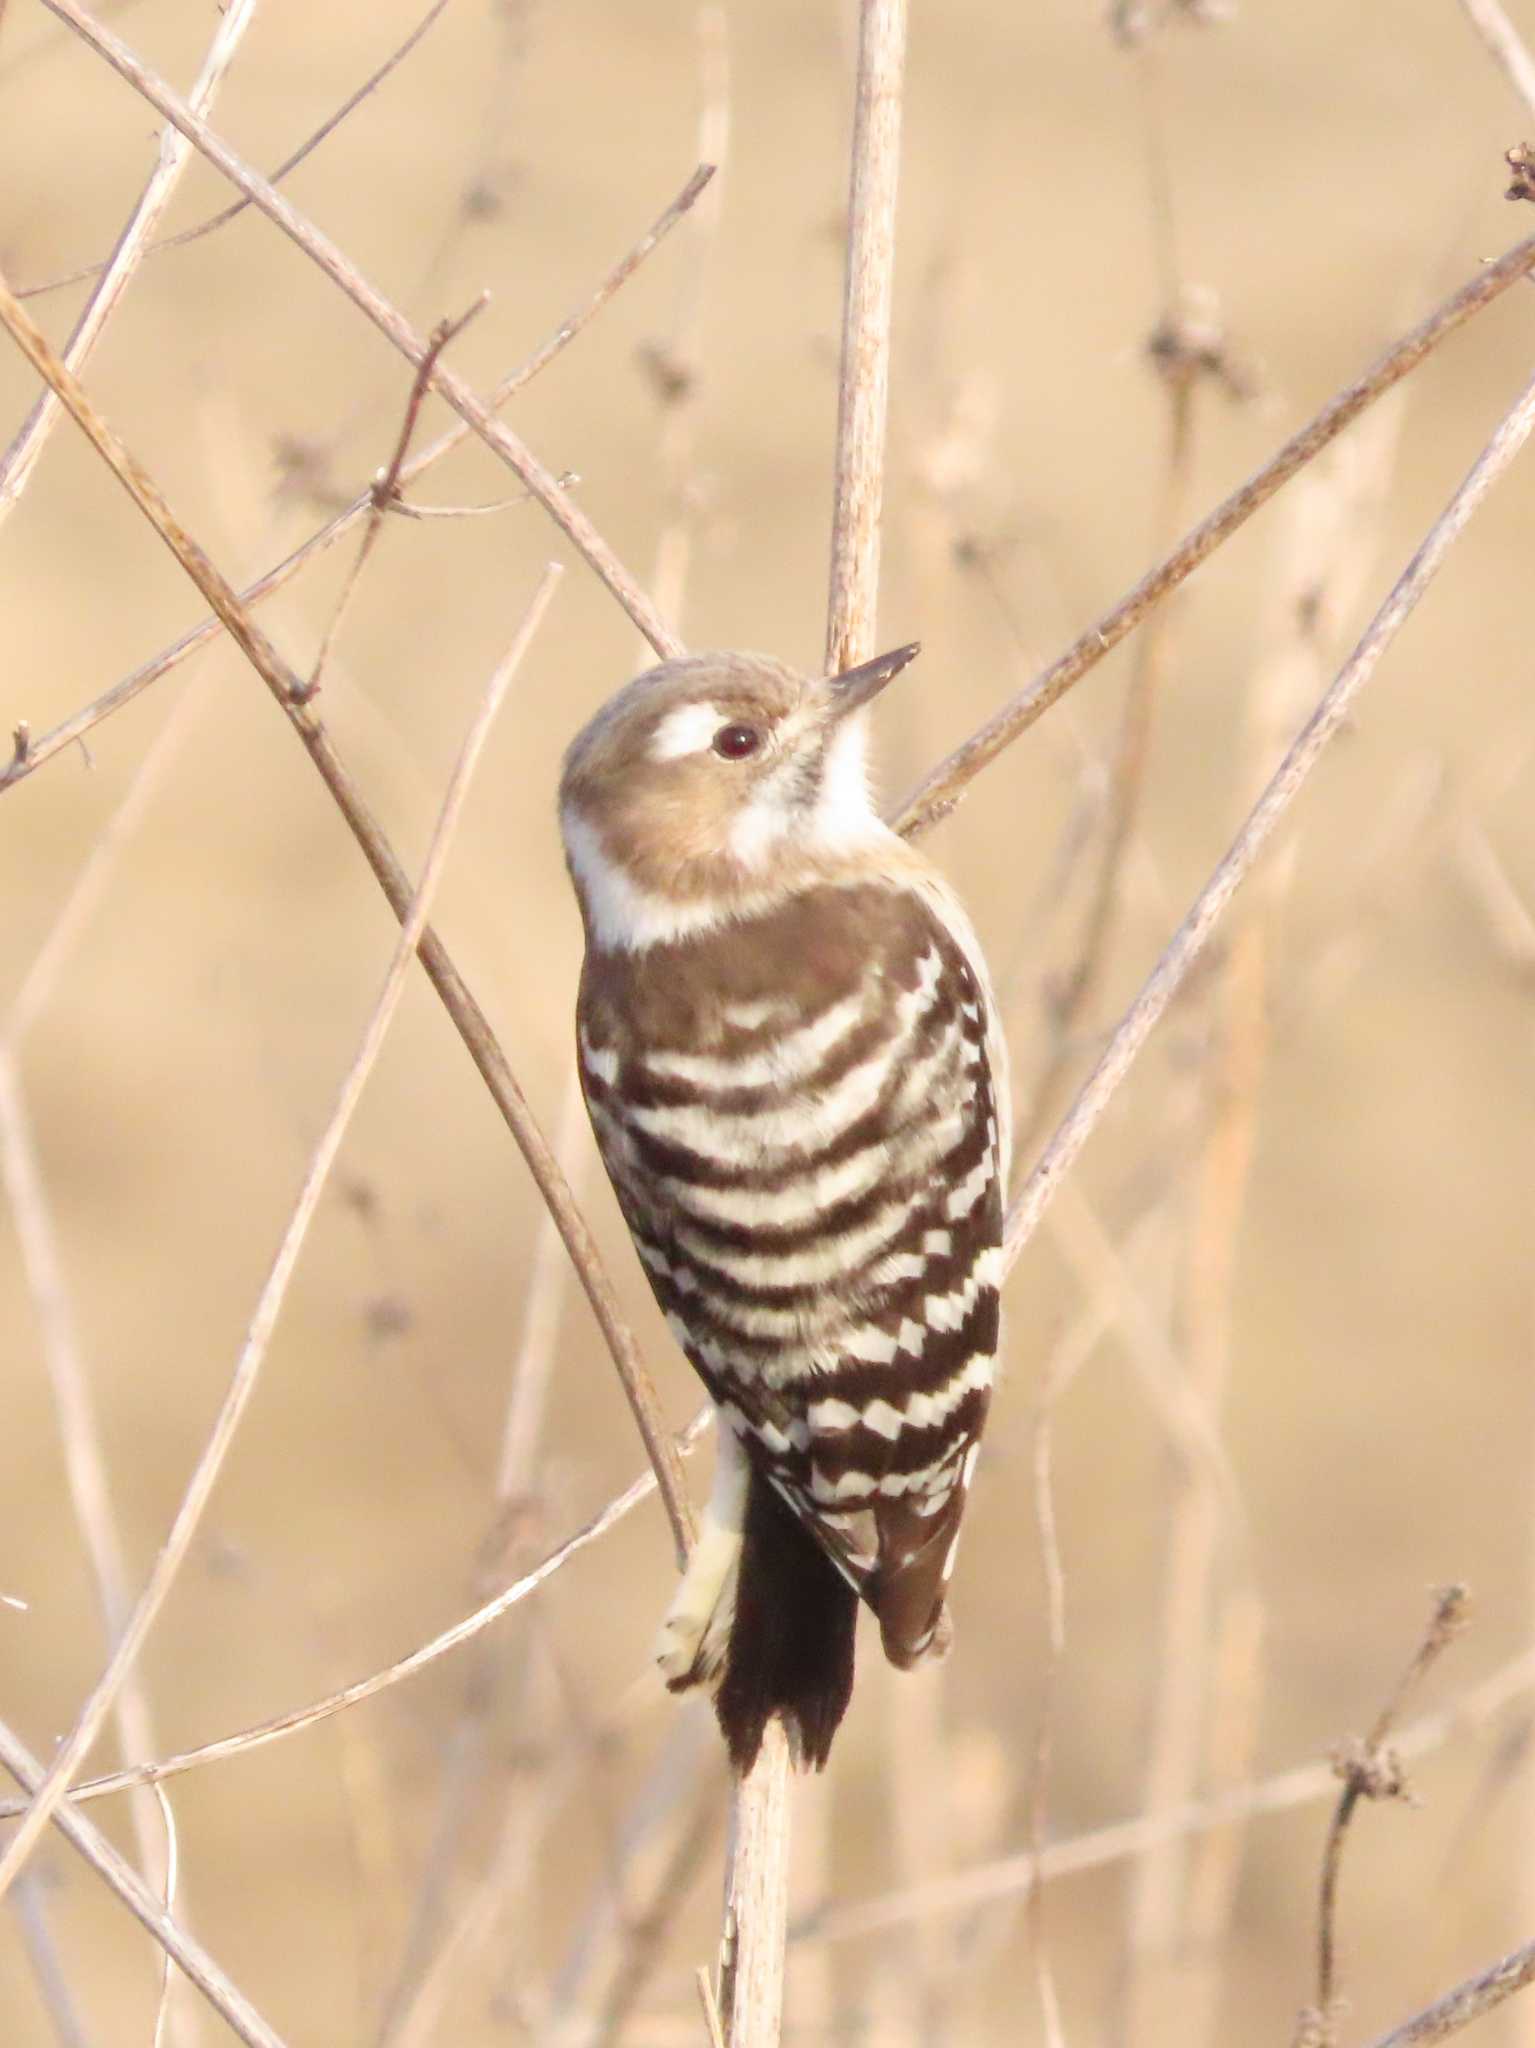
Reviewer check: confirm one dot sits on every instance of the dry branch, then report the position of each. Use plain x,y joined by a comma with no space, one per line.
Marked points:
757,1875
390,322
1189,940
193,1959
153,1772
36,751
1467,2002
937,793
473,1026
1100,1848
386,486
72,1752
1369,1770
80,1434
289,163
20,458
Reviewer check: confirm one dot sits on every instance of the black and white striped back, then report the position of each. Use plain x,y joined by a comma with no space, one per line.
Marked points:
800,1118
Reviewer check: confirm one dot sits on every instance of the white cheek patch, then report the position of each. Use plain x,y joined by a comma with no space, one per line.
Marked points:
687,730
620,913
758,827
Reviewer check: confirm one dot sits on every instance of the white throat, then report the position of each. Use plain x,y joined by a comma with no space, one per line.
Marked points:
619,913
842,818
844,812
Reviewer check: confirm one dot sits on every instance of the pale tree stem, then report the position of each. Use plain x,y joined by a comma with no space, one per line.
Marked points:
757,1872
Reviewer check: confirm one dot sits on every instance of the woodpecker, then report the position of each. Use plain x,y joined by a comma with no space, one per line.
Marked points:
788,1048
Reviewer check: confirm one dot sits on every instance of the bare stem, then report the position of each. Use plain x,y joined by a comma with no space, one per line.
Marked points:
296,1719
387,318
757,1875
20,459
864,386
937,793
1370,1771
290,162
1508,48
1467,2002
173,1552
36,751
1191,936
1101,1848
193,1959
473,1026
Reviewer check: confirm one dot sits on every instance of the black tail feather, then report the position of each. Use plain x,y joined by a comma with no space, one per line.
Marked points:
791,1643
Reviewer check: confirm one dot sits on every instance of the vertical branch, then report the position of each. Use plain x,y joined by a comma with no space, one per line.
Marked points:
864,387
757,1898
1331,537
757,1876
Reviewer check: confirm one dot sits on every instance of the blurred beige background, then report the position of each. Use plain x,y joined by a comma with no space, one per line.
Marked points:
1326,174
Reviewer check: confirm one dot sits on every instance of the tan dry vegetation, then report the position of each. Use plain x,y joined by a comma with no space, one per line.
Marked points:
1328,175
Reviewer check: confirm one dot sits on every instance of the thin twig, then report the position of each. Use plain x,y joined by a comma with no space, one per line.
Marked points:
1467,2002
386,485
1508,47
473,1026
402,508
289,163
172,1882
1100,1848
29,1908
79,1424
153,1772
390,322
193,1959
1189,940
71,1753
1369,1770
713,2026
938,791
1184,360
20,458
30,753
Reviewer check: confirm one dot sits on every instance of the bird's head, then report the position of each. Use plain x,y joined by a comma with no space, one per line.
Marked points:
714,786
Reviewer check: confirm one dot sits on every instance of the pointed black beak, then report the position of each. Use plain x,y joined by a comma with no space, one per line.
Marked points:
856,687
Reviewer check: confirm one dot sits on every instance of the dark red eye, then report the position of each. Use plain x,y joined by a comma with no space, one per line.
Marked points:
735,742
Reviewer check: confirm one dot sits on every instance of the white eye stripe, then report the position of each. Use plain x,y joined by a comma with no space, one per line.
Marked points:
690,729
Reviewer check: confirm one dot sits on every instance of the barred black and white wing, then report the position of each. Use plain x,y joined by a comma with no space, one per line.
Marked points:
806,1130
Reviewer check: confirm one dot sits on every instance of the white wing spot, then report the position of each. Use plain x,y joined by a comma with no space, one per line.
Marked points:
875,1347
884,1420
969,1191
826,1416
600,1060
